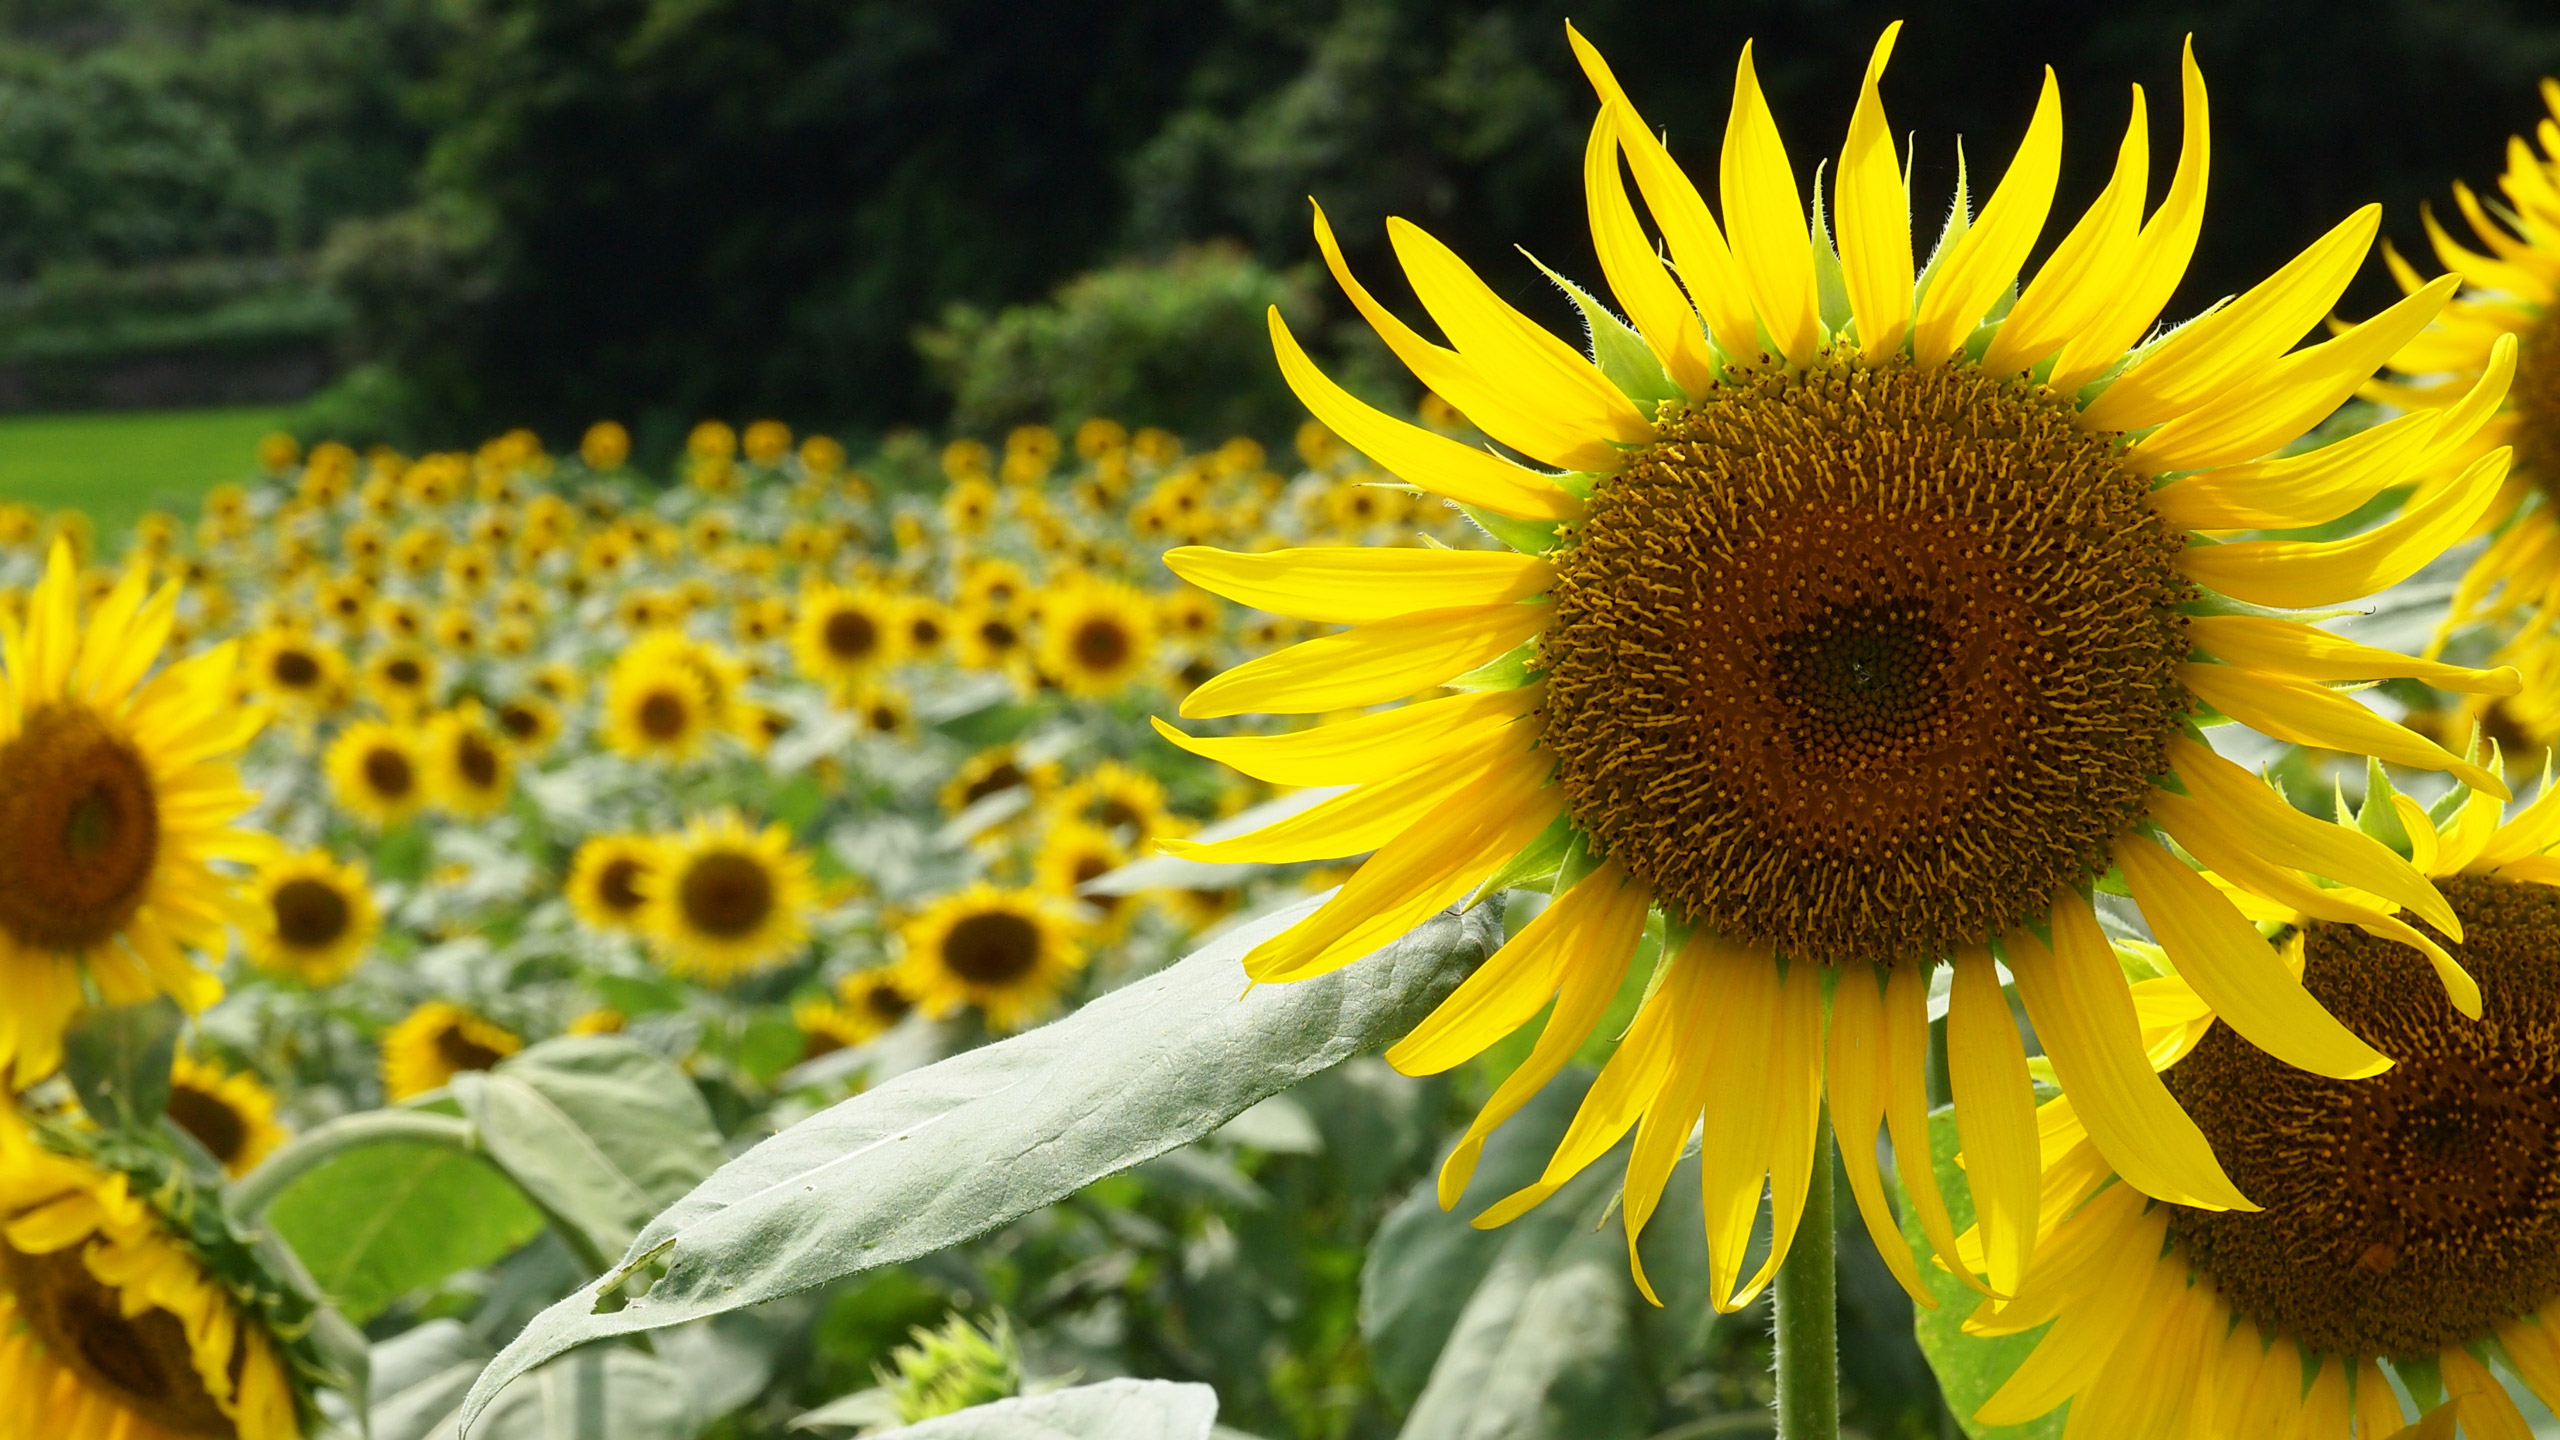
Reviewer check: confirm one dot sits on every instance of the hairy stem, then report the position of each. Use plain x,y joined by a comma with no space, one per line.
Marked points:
1807,1320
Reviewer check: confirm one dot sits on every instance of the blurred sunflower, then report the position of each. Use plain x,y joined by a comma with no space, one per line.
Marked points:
924,627
1852,636
843,636
990,638
604,882
530,722
401,678
1007,952
377,772
300,672
882,711
992,772
654,708
115,1327
117,795
436,1042
230,1113
2504,317
2409,1219
1073,853
865,1005
313,919
723,901
1096,637
1120,800
470,766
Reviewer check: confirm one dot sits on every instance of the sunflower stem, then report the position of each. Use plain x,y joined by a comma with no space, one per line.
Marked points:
1807,1318
251,1194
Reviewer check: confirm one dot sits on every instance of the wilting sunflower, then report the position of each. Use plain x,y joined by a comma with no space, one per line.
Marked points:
2409,1218
113,1326
230,1113
117,794
470,767
604,882
655,708
845,635
1861,630
313,918
297,670
1096,637
2507,299
723,901
436,1042
1008,952
377,772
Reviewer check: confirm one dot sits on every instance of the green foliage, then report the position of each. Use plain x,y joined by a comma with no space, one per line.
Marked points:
380,1222
941,1371
115,466
1111,1410
1969,1369
1181,344
1062,1105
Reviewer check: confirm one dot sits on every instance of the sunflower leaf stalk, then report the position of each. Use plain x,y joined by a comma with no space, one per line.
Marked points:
252,1193
1806,1319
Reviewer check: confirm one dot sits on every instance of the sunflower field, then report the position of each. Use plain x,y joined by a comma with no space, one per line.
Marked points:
1895,847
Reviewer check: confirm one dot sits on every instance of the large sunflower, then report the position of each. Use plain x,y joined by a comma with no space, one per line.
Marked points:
1008,952
2507,299
232,1114
436,1042
112,1327
1862,630
117,794
722,901
2412,1219
314,917
377,772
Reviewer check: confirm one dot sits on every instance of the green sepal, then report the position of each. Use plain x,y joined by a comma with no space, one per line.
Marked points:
1536,863
2425,1380
1622,354
1508,671
2379,818
2449,804
1959,220
1529,537
1830,282
118,1058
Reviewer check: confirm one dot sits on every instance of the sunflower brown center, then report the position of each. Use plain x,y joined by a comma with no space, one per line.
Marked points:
888,1002
213,1123
389,774
993,947
2535,398
1001,777
725,894
1102,644
79,829
2417,1209
310,913
521,722
662,716
477,759
145,1362
999,636
295,669
405,673
460,1052
1867,662
851,635
617,885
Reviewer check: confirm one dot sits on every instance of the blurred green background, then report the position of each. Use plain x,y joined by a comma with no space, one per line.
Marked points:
427,220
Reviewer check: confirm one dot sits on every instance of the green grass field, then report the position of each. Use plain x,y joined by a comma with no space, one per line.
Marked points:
117,464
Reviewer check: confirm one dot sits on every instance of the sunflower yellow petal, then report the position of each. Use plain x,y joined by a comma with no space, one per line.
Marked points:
1875,218
1906,1109
2250,811
1995,1117
1355,584
2082,1246
2532,1350
2486,1411
1369,748
1673,1112
1354,823
1794,1075
1521,419
2236,971
1653,301
2159,255
2305,714
1509,990
1985,261
2077,281
1854,1068
2076,997
1443,466
1764,213
1369,665
2303,652
2081,1346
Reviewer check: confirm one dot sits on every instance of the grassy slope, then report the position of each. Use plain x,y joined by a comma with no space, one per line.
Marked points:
115,465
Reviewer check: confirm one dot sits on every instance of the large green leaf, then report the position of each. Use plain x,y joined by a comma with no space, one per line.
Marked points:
600,1132
1110,1410
601,1394
948,1152
378,1222
1969,1368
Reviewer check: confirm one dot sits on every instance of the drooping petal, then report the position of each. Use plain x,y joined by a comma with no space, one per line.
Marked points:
2284,709
1856,1076
1995,1116
2305,652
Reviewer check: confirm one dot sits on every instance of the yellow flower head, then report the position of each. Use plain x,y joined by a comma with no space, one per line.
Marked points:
605,446
377,772
1007,952
530,722
866,1004
1096,637
845,635
112,1325
117,795
1855,625
655,708
882,711
604,882
1122,800
766,442
722,901
992,772
1073,853
232,1114
401,678
969,506
436,1042
313,919
301,673
470,765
